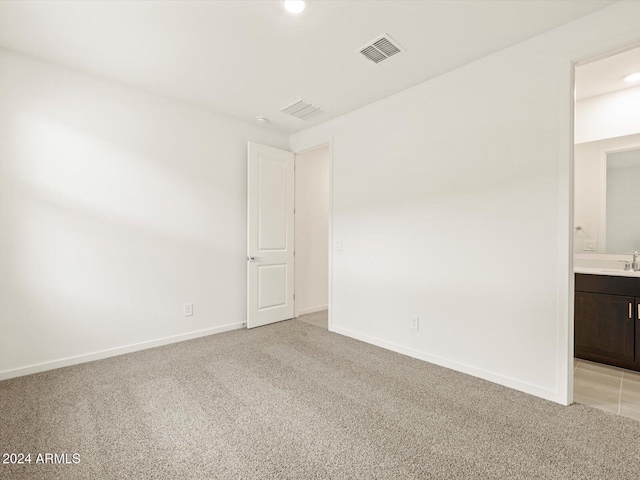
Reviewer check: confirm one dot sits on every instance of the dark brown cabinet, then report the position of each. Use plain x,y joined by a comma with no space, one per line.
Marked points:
607,319
604,325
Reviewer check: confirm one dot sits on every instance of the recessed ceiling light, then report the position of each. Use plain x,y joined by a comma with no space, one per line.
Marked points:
294,6
632,77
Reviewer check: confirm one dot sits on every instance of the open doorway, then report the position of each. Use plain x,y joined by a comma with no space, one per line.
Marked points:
607,233
312,236
288,235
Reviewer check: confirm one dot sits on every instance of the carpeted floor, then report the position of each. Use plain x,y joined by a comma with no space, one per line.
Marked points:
294,401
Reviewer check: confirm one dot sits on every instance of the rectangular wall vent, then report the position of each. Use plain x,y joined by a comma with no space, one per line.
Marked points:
304,110
380,49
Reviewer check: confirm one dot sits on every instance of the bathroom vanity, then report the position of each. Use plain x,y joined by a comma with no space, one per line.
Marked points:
607,316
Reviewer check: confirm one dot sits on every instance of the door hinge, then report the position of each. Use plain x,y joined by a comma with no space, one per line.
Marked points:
294,296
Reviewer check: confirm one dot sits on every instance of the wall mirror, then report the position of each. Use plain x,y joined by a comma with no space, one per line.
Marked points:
607,196
622,201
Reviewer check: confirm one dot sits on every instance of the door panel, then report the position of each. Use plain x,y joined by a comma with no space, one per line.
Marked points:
272,282
272,206
270,229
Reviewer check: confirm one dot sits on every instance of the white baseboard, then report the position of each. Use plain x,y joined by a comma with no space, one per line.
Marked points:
112,352
551,395
305,311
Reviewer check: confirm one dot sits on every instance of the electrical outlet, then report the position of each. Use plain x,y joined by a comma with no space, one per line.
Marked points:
414,322
337,245
589,245
188,309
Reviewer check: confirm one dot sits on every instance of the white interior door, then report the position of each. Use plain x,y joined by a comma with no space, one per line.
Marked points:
270,243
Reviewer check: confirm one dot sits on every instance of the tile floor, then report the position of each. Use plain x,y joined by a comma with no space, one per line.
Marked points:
608,388
318,319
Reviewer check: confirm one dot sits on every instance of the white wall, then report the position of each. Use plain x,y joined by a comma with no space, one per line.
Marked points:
588,171
312,230
452,202
586,194
610,115
116,208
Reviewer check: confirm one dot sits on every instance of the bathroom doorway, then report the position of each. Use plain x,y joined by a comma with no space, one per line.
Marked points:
606,215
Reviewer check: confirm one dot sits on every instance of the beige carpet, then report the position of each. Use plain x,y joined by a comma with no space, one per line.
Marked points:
293,401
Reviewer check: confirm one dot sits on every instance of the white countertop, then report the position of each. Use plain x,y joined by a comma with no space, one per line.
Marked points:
606,271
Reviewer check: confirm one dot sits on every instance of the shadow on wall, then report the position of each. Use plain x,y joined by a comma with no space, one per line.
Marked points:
86,227
117,207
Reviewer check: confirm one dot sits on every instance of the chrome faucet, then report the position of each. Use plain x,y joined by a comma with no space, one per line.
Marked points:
635,265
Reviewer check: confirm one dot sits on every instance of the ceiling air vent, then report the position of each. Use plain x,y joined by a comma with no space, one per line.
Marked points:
380,49
304,110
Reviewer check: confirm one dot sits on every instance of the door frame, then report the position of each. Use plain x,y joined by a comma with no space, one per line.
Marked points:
326,142
593,53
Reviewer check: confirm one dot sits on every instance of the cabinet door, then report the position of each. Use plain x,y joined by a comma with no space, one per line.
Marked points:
604,325
637,322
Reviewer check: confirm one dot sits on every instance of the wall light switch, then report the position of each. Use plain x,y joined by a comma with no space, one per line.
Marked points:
589,245
414,322
188,309
337,245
